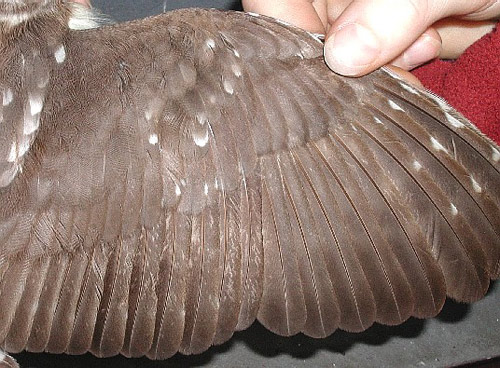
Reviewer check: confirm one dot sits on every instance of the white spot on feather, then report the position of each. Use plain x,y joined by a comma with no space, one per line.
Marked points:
210,43
201,118
177,190
454,121
475,185
236,53
408,88
377,120
36,104
31,123
228,87
60,54
8,176
395,106
2,356
417,165
13,153
201,141
253,14
437,145
496,154
24,146
205,189
153,139
8,97
13,20
454,210
236,70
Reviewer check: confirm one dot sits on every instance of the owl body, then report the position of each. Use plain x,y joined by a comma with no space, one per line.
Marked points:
165,182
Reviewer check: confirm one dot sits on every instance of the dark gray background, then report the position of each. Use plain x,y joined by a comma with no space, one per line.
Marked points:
460,334
133,9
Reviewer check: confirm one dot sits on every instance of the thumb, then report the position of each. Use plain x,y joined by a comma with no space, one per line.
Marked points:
371,33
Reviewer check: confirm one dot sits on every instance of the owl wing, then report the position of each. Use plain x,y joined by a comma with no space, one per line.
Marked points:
202,169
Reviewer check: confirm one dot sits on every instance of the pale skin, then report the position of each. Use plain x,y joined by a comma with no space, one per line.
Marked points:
363,35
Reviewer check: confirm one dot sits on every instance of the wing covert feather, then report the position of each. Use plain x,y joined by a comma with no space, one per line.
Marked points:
227,176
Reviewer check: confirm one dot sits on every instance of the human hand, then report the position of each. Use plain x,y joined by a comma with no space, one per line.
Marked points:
362,35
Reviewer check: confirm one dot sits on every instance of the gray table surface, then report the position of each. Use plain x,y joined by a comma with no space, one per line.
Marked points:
461,333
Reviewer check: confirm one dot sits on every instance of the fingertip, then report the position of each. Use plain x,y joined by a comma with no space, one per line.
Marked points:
406,75
384,29
425,48
351,50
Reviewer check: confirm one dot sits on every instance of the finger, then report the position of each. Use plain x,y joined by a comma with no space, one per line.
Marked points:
371,33
458,35
306,14
486,11
424,49
407,76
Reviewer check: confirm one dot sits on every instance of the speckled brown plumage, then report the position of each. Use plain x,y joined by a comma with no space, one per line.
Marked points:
166,182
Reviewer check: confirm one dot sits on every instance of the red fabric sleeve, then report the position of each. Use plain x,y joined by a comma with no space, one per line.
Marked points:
471,84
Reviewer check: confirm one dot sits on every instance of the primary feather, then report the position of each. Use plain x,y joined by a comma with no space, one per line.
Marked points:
166,182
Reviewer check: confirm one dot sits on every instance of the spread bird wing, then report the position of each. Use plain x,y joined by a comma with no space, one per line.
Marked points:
202,169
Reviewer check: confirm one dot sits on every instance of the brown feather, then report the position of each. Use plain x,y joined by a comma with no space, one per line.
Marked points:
160,190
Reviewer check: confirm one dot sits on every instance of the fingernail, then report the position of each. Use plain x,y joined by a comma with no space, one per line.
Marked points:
351,49
424,49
